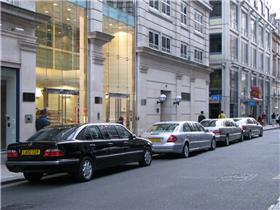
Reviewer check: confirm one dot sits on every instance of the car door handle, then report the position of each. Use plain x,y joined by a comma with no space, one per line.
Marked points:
125,142
110,144
92,145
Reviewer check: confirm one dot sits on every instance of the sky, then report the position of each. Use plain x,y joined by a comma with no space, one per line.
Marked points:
275,7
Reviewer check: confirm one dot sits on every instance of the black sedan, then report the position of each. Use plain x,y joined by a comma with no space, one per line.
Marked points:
78,150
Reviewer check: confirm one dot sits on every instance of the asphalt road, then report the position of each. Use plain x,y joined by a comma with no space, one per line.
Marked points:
242,176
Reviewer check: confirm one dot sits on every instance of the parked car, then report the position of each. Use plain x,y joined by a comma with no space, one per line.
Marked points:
78,150
225,130
179,137
249,126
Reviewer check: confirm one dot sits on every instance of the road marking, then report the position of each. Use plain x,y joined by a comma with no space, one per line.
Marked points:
275,206
277,177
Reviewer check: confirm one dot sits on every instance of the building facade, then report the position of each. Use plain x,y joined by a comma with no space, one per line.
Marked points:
172,60
275,93
241,58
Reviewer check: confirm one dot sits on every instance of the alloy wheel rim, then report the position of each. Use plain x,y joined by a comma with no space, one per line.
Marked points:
87,169
213,144
227,140
186,151
148,157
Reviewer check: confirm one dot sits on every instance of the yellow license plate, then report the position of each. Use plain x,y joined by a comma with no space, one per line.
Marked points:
30,152
155,140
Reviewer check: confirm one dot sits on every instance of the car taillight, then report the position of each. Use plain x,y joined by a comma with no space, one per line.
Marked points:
12,154
244,127
172,138
53,153
216,132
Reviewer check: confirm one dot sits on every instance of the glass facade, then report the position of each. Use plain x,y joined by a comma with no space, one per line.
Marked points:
61,76
244,95
119,71
233,93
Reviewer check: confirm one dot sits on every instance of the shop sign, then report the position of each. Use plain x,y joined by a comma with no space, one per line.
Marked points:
252,103
216,97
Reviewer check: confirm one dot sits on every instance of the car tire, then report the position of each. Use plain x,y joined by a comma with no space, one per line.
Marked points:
147,158
213,144
226,143
185,152
249,135
261,133
33,177
85,170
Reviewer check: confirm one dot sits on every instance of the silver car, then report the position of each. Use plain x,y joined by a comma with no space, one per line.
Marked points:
225,130
179,137
249,126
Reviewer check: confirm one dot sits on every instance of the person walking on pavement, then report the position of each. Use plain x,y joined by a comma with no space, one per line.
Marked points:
222,115
273,119
201,116
42,121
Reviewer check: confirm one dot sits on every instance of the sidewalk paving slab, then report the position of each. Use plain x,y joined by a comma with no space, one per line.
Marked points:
10,177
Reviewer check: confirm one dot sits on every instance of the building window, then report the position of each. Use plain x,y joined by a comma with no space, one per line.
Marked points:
165,44
183,13
165,7
184,50
198,21
267,40
261,35
267,14
261,7
256,4
244,24
234,48
267,62
261,61
198,55
244,53
215,43
253,30
154,4
244,85
254,57
216,8
233,93
153,39
186,96
233,16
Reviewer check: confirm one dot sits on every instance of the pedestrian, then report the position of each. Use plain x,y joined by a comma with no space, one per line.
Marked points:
201,116
273,119
222,115
263,118
42,120
121,120
260,120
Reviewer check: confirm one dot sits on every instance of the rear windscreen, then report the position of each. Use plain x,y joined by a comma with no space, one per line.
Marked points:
53,134
163,128
209,123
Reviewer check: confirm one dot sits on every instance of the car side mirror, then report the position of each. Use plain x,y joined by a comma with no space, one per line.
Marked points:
133,136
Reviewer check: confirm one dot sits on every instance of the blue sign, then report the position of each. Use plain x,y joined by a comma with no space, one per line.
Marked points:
216,97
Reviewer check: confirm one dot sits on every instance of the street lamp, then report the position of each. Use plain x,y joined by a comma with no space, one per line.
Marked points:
162,98
178,99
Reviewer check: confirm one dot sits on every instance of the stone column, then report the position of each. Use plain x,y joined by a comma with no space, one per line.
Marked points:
96,40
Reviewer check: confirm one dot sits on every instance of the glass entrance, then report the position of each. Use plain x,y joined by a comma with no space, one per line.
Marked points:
8,107
62,106
117,108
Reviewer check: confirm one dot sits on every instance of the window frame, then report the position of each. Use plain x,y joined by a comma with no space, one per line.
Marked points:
197,54
184,50
152,4
153,45
165,7
198,21
183,13
165,49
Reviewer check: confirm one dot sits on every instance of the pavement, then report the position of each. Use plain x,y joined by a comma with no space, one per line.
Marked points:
8,177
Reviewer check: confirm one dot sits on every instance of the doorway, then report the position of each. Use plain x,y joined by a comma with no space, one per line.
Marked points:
118,105
9,103
62,105
166,107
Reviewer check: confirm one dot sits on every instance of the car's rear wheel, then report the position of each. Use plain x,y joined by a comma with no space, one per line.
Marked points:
213,144
241,137
147,158
33,177
185,152
226,143
250,135
85,170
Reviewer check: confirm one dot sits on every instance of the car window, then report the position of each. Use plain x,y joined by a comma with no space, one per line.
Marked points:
53,134
112,131
163,128
123,133
200,127
84,135
193,127
104,132
186,128
249,121
228,123
206,123
95,132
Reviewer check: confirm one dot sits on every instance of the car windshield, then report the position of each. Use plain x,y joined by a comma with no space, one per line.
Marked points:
53,134
163,128
239,121
211,123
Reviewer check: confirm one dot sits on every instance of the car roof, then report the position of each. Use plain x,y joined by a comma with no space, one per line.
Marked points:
174,122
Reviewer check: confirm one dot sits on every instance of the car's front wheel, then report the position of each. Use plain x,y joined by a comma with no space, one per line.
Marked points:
261,133
213,144
33,177
147,158
226,141
85,170
185,152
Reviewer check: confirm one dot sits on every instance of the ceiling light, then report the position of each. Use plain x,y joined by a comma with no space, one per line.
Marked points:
49,29
68,19
46,11
54,4
19,29
110,24
69,9
59,32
